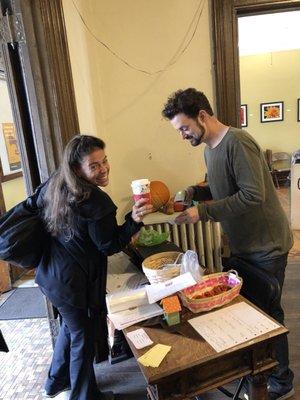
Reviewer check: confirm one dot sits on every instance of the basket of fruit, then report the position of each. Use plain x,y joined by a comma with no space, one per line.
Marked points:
214,290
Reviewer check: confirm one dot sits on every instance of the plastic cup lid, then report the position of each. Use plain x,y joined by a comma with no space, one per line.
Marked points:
139,182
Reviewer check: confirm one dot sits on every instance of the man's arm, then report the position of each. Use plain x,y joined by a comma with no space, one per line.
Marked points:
202,193
198,193
247,168
247,165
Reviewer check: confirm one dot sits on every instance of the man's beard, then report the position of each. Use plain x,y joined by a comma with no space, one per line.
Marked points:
197,140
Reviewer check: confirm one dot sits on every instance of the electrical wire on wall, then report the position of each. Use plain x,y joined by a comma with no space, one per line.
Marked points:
183,46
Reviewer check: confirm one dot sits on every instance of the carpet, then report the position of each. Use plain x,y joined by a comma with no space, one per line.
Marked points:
24,303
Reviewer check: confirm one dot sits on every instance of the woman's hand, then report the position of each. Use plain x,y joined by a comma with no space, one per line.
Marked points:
141,208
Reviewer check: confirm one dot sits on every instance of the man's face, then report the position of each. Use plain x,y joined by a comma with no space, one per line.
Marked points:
191,129
94,168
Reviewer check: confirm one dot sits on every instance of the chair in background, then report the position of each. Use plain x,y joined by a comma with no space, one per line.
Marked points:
269,159
281,165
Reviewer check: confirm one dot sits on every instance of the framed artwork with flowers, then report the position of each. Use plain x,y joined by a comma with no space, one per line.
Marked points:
271,112
244,115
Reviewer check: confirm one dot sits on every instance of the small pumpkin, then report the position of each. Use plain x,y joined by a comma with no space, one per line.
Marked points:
160,194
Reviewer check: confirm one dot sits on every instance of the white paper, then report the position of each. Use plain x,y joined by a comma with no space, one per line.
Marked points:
126,281
123,319
122,274
139,338
119,301
233,325
160,290
119,263
171,221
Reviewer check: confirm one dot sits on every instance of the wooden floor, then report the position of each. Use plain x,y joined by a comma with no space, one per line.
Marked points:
23,370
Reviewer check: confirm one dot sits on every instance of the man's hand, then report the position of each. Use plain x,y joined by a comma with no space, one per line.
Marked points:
189,216
189,195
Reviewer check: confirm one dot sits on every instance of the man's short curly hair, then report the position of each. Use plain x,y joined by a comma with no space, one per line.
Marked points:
189,102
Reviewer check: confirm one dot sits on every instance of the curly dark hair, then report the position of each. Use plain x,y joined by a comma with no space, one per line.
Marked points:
189,102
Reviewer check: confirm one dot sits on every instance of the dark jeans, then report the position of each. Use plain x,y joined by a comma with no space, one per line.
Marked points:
281,380
72,362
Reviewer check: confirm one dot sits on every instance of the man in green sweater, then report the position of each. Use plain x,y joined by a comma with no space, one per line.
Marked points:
244,201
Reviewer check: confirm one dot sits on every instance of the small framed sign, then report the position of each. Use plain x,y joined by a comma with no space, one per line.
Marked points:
9,152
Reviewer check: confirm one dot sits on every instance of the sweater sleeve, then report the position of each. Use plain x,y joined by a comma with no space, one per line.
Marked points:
202,193
246,167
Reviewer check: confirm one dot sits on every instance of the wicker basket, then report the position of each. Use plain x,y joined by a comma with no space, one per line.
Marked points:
155,269
208,282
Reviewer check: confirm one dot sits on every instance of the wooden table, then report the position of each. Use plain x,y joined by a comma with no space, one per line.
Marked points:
193,367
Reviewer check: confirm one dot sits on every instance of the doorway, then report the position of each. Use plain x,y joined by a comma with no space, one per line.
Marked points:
269,64
38,75
226,56
225,17
12,185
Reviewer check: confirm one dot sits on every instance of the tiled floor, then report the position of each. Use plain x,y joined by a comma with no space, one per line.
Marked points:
23,370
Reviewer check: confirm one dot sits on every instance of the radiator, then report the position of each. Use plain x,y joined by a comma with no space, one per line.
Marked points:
202,237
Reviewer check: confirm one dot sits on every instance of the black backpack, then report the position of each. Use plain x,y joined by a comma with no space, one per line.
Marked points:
22,234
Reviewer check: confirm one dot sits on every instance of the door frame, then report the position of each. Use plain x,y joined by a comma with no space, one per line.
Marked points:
39,78
38,70
226,56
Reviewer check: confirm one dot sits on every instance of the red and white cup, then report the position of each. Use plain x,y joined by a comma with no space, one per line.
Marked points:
141,189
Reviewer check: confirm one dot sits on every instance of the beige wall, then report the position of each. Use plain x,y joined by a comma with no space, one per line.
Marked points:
122,105
13,190
267,78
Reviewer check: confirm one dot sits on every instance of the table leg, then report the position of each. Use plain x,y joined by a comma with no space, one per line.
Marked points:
257,386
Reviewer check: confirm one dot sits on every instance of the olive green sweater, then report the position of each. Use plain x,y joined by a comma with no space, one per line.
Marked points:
245,199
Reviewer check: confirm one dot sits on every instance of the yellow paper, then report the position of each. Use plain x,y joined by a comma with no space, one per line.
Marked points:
154,356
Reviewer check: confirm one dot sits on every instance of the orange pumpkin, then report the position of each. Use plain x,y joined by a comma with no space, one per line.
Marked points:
160,194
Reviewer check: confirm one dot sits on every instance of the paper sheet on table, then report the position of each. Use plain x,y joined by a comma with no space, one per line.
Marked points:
123,319
154,356
122,274
119,263
171,220
139,338
233,325
120,282
160,290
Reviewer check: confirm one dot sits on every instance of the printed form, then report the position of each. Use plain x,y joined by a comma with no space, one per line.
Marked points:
233,325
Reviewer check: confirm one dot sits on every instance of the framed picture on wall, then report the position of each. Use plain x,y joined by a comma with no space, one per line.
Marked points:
9,152
298,110
271,112
244,115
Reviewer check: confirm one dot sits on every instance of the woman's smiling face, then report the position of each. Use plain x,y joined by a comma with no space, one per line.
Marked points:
94,168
